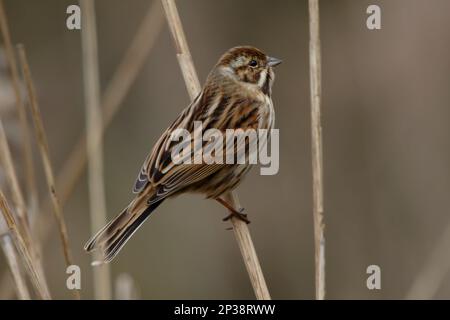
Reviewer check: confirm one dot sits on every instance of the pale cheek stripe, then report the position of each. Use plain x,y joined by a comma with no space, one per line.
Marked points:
262,78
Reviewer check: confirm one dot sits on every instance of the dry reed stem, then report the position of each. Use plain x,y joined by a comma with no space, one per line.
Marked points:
13,182
26,141
42,142
115,92
12,260
19,101
434,271
113,96
31,187
125,288
183,52
18,200
248,252
240,228
32,268
97,205
316,136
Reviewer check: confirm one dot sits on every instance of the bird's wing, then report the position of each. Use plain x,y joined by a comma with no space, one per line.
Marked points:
159,169
168,177
159,149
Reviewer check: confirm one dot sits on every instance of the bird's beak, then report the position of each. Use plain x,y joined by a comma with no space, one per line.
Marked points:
273,62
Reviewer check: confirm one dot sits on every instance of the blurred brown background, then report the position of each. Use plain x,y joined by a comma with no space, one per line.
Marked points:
386,145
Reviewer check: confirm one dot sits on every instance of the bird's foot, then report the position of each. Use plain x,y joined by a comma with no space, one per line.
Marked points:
237,214
233,212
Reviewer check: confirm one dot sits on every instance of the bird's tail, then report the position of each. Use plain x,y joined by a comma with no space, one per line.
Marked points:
112,237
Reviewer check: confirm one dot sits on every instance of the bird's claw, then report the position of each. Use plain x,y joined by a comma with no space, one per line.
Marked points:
237,214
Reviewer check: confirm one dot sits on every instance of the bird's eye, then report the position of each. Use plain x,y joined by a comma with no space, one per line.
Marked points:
253,63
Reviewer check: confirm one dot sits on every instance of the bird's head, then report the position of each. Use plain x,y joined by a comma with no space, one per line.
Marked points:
249,65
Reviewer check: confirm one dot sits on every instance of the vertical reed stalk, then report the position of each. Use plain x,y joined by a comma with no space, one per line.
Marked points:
30,183
19,203
125,288
433,272
33,271
26,141
193,86
102,284
18,199
42,142
248,252
114,94
316,136
13,184
19,101
13,263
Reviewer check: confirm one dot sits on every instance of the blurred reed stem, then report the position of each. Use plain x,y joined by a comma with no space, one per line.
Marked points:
91,81
248,252
434,271
115,92
25,130
12,260
32,268
18,199
125,288
316,136
240,228
42,142
19,203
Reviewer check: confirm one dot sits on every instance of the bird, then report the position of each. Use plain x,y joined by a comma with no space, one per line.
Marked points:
237,94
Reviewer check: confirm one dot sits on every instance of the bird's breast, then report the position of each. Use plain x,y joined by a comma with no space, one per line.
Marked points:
266,114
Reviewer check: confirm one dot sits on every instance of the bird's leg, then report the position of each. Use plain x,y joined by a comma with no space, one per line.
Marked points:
233,212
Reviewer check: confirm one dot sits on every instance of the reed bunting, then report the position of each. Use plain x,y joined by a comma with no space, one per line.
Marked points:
236,95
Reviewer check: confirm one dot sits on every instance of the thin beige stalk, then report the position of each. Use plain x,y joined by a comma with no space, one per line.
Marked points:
434,271
26,141
240,228
114,94
102,277
316,136
42,142
19,204
248,251
32,268
19,201
12,260
182,48
31,189
125,288
13,183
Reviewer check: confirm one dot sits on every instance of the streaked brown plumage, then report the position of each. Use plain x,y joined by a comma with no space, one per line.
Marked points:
236,94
